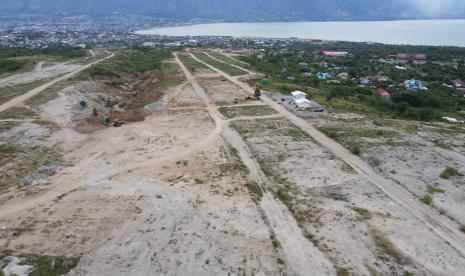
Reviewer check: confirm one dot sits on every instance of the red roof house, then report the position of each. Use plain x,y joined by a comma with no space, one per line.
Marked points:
383,93
335,54
458,83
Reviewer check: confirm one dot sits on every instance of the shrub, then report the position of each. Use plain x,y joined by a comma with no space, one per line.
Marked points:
355,149
449,172
462,228
427,199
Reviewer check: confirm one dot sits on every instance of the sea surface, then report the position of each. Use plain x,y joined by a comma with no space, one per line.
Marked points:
413,32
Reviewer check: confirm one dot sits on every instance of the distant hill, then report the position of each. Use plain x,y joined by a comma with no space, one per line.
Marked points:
243,10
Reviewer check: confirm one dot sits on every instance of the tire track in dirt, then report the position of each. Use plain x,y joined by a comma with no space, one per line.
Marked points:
302,257
442,226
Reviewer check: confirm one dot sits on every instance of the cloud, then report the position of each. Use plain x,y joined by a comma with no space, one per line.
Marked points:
437,8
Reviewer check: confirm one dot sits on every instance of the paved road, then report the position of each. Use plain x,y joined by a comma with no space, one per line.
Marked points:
445,228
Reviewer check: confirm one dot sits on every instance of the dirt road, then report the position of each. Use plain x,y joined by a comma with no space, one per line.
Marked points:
15,101
302,257
441,225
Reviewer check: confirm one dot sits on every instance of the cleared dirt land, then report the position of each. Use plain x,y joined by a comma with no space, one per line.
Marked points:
205,180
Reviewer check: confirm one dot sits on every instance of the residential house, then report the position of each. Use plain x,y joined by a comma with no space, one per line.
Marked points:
306,74
458,83
414,85
365,80
382,93
323,75
335,54
343,76
296,95
302,103
411,56
381,78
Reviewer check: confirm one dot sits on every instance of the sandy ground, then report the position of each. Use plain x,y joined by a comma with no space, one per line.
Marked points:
171,195
40,73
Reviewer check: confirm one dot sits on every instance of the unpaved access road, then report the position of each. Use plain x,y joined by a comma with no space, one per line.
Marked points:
302,257
21,98
441,225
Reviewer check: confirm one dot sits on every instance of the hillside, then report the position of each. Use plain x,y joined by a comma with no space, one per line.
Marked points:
242,10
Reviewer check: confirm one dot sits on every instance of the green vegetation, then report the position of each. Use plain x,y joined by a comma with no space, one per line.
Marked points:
449,172
23,162
340,271
346,95
364,213
9,92
462,228
8,149
134,60
386,247
355,149
49,265
255,190
11,66
427,199
220,65
227,59
17,113
241,111
191,64
433,189
16,60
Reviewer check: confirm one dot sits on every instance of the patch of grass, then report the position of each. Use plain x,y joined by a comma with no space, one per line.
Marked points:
386,247
227,59
462,228
433,189
427,199
17,113
9,92
255,190
192,64
243,111
5,126
6,149
449,172
364,213
133,60
49,265
340,271
24,162
236,161
199,181
231,70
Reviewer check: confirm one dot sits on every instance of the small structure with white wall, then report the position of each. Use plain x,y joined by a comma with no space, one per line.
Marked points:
298,95
300,99
303,103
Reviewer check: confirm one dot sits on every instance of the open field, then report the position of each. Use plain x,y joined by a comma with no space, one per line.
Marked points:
221,65
202,179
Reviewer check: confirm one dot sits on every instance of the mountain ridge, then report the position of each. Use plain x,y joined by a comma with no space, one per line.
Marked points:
239,10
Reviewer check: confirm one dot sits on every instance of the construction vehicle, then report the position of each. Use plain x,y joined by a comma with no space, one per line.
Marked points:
118,123
106,120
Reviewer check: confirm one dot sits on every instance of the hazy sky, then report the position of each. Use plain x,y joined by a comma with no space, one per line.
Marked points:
438,7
